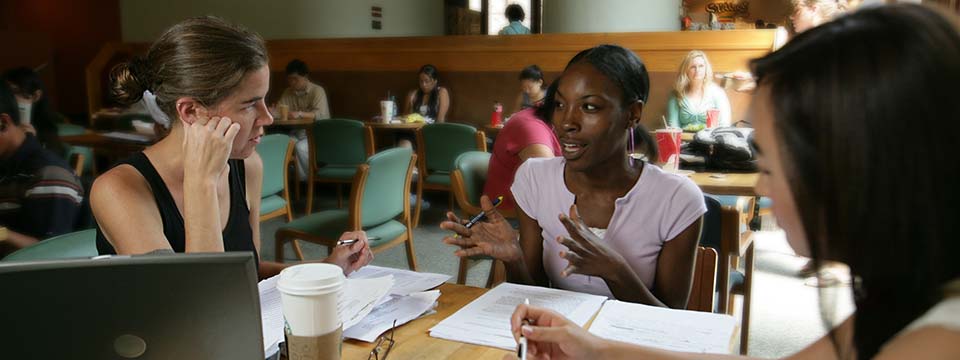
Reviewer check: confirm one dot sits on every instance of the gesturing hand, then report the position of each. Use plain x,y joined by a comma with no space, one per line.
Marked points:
493,237
585,252
207,144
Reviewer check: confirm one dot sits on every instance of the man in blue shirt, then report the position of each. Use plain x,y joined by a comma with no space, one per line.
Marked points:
515,14
40,196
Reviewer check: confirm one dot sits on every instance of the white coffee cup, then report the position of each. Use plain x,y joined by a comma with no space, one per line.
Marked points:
386,110
309,294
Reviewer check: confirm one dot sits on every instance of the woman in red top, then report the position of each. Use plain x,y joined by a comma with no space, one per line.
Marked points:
525,136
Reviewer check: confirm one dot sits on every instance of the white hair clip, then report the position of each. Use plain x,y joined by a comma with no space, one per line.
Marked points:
150,102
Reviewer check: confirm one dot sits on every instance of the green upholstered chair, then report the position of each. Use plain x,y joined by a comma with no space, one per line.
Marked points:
73,245
337,148
81,155
276,152
379,204
438,145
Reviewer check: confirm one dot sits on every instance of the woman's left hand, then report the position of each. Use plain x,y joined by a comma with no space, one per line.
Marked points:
354,256
585,252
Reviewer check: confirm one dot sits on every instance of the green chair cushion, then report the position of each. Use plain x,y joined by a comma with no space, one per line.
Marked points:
273,151
73,245
385,189
332,223
340,172
271,203
387,231
326,224
473,168
444,142
439,178
339,141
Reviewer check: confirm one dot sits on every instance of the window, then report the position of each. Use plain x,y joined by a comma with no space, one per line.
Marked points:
496,19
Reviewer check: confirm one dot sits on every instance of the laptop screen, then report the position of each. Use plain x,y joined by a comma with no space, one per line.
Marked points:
172,306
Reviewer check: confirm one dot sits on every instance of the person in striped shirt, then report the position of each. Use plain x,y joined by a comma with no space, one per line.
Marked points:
40,196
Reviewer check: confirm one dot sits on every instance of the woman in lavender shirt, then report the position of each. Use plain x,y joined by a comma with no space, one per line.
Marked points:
593,220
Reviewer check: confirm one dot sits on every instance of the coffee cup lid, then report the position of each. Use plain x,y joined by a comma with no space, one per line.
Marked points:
310,278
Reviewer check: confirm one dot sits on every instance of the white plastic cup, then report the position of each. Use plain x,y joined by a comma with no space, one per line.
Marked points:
309,294
386,110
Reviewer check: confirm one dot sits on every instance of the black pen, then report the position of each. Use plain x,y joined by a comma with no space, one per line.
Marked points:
483,214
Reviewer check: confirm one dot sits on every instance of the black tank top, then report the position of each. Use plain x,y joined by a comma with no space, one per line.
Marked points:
237,236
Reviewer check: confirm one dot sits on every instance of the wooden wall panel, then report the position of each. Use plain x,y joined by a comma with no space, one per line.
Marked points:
357,73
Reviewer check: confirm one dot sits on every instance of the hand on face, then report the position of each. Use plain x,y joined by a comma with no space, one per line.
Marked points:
207,144
493,237
585,252
552,336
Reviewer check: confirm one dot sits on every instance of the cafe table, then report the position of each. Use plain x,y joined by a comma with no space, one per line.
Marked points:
105,145
412,340
719,183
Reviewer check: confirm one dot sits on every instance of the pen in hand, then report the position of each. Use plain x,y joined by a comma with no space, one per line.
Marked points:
352,241
522,345
482,215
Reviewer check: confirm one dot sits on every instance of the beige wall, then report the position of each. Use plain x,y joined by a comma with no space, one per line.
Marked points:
142,21
598,16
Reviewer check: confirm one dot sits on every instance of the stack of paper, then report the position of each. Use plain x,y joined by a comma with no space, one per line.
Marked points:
271,315
405,282
486,320
399,309
372,299
675,330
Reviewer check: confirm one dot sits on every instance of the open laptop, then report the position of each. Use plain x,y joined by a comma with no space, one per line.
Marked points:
176,306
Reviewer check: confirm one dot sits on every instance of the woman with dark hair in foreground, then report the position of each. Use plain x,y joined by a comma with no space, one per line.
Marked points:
850,183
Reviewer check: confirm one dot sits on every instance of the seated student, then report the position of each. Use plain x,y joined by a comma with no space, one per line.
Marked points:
527,135
36,115
595,221
695,93
305,101
841,192
532,91
429,99
515,15
198,188
39,194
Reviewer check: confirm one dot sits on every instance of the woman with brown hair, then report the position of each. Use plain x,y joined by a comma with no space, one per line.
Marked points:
198,188
828,107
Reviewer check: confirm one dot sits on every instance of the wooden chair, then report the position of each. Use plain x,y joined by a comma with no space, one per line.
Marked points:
438,145
380,193
341,145
736,243
76,162
702,293
80,244
276,151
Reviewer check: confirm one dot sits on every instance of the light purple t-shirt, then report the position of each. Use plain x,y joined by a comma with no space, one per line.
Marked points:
657,209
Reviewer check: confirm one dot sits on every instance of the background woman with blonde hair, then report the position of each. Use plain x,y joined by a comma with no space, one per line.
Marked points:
694,94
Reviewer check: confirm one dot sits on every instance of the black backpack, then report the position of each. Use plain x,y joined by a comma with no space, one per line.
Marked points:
722,148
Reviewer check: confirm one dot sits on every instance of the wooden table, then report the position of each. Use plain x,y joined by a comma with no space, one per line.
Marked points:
395,126
740,184
414,342
107,146
299,123
492,131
